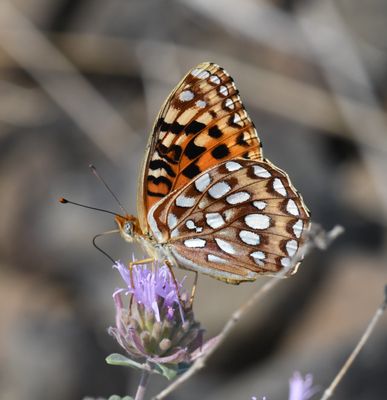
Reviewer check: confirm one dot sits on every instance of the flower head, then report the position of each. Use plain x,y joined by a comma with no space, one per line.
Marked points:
301,388
158,323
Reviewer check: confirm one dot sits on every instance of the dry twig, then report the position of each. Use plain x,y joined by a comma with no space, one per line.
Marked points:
338,58
363,340
73,93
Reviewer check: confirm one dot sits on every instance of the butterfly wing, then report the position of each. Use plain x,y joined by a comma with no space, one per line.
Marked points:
237,220
202,123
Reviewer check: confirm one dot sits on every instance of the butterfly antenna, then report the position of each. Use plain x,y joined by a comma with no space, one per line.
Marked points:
65,201
99,177
99,248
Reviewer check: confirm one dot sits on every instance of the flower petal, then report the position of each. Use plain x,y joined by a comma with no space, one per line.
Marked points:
301,388
119,306
181,355
124,272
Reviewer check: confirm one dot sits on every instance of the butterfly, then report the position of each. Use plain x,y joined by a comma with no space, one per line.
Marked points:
207,199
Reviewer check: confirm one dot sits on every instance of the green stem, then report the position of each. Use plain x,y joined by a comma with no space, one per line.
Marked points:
142,385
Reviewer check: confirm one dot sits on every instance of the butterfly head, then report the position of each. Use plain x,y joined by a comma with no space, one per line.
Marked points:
128,226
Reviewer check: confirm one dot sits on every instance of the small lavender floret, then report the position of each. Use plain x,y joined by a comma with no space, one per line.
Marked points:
301,388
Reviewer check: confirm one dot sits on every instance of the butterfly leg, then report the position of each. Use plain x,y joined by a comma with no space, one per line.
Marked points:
138,262
144,261
170,265
193,291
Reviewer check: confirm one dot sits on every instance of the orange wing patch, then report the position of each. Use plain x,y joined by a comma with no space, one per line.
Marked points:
202,124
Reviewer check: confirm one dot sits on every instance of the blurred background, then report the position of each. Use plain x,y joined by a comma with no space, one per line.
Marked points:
81,81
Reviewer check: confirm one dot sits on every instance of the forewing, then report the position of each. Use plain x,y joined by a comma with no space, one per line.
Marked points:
235,221
202,123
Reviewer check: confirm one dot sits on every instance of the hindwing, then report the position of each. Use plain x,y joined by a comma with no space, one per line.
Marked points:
239,219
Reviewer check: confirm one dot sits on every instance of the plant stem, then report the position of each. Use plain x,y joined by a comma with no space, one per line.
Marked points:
142,385
371,326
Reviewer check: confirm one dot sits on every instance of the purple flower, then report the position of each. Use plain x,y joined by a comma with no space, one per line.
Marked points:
149,286
301,388
157,324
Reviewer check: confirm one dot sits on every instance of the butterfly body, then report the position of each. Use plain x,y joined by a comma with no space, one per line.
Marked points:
130,231
207,199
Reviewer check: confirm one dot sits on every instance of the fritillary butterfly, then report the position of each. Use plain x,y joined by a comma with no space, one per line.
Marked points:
207,199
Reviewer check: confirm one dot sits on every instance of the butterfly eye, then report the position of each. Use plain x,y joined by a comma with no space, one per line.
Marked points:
128,228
